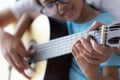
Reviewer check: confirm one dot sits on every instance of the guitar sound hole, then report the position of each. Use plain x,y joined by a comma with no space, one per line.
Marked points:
115,40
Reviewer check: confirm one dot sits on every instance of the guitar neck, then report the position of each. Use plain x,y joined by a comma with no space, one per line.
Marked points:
60,46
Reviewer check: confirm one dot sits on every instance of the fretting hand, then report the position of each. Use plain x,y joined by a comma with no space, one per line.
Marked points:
91,51
85,66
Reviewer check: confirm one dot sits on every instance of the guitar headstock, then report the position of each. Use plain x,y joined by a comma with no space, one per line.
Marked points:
113,35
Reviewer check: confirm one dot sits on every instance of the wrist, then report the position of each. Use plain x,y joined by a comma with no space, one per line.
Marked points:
116,50
97,77
1,32
93,75
1,29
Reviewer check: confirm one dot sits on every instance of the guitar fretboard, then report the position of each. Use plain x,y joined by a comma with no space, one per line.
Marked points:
60,46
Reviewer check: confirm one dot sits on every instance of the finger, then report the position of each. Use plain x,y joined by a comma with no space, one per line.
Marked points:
19,60
31,52
27,66
97,47
12,63
86,44
74,51
92,60
22,45
23,60
82,49
10,60
16,58
24,74
95,25
21,68
18,68
94,54
22,52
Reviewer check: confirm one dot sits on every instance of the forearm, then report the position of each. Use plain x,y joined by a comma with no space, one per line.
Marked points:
100,77
1,32
23,24
6,17
109,73
117,50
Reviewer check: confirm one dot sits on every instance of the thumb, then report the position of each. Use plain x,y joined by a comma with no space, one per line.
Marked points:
31,52
95,25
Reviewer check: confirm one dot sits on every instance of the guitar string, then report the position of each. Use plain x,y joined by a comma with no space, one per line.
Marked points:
57,50
55,47
44,48
96,35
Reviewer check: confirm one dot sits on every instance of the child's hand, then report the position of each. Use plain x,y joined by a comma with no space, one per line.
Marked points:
86,67
14,51
93,52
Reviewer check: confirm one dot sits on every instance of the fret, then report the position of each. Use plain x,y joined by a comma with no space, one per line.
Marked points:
62,45
57,47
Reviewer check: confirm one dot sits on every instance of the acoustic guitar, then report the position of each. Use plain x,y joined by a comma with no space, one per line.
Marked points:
52,50
41,32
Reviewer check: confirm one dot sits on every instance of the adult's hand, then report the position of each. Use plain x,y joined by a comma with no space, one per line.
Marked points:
14,51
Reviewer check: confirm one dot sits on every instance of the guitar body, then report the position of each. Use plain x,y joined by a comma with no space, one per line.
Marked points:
40,34
58,68
42,30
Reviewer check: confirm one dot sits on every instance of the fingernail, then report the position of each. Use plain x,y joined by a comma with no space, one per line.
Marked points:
33,66
81,38
28,72
92,41
77,45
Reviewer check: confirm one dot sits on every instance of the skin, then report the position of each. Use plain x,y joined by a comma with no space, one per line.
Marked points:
82,48
11,46
78,14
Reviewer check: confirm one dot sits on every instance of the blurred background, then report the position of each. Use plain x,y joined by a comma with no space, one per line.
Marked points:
6,3
4,67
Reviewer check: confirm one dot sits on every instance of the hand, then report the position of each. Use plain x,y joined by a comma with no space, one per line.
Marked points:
95,25
94,47
14,52
92,52
88,63
86,67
